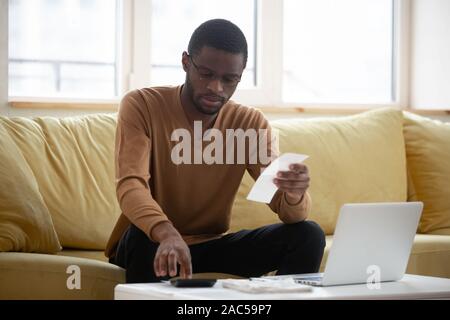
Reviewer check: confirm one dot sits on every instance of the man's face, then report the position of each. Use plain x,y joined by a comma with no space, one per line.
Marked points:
212,77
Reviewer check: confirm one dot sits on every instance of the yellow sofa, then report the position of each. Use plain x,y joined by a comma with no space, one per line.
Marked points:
58,203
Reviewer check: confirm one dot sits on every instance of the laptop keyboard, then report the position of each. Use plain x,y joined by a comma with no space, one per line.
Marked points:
312,278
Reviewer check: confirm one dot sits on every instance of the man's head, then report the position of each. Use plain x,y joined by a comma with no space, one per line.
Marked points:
216,58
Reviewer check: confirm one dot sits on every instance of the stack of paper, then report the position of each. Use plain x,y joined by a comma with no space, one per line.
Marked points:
265,286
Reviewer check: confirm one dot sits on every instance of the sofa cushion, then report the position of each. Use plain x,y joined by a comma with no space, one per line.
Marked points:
25,222
430,255
73,161
87,254
44,276
428,155
358,158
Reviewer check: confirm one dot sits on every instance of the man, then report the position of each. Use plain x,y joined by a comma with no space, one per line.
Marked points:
176,214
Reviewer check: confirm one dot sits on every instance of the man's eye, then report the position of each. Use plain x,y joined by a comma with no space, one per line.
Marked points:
231,80
205,74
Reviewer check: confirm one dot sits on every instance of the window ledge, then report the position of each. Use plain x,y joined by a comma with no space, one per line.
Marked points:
345,111
102,106
113,106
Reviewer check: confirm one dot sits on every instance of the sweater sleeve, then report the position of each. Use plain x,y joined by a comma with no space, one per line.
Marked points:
132,162
287,212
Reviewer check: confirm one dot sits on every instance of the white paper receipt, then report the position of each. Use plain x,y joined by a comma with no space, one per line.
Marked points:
264,189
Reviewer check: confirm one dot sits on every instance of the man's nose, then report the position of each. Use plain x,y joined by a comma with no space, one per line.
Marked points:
215,85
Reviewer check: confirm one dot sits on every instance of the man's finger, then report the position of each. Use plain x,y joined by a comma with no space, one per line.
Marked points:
172,259
163,264
288,175
294,190
156,265
298,167
185,267
186,270
304,177
291,183
293,175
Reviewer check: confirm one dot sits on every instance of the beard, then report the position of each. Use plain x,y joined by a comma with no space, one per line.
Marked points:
198,100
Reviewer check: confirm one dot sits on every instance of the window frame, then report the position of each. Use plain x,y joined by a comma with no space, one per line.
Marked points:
120,64
136,59
400,67
269,63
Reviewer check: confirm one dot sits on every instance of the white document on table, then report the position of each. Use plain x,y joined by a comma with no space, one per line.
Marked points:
264,189
261,285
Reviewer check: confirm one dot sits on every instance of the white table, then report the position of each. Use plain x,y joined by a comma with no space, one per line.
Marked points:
409,287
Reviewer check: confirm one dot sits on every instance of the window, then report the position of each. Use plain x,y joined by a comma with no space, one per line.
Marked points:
65,48
338,51
169,40
301,52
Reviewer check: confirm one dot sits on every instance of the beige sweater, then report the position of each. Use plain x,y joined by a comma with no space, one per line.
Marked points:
195,198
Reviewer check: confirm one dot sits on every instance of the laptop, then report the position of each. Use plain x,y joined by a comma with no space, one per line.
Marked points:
371,241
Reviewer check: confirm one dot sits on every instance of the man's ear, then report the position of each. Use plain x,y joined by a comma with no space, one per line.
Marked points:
185,61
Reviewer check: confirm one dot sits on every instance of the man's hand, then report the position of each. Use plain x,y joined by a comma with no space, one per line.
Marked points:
172,251
294,182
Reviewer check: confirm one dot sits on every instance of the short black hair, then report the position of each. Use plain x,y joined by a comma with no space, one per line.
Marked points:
220,34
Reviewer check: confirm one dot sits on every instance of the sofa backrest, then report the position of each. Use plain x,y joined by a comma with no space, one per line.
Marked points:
428,155
71,160
358,158
25,223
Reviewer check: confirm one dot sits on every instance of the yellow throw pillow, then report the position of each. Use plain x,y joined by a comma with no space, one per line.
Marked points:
428,155
358,158
72,159
25,223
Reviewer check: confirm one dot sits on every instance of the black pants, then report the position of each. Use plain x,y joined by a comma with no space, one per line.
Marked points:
288,248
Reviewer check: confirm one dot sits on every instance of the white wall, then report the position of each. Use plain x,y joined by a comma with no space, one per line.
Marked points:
430,54
3,56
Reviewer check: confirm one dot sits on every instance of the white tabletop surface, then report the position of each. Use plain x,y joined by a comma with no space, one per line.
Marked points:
409,287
